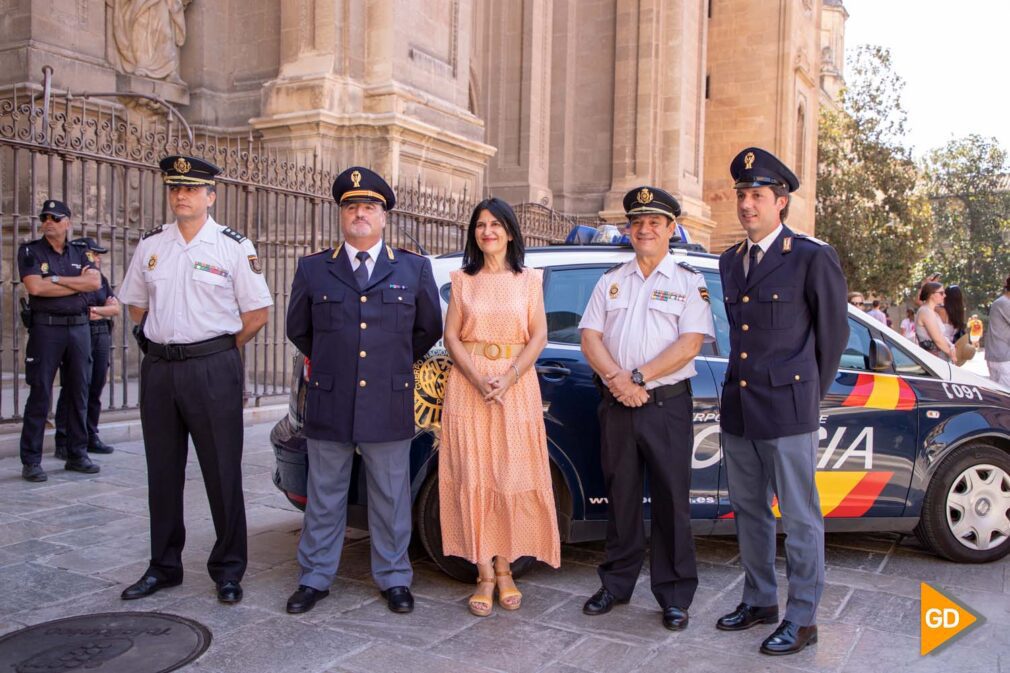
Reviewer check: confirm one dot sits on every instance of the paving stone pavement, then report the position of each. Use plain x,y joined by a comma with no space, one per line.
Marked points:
70,545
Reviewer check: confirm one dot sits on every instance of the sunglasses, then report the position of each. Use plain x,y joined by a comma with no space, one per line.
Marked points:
54,218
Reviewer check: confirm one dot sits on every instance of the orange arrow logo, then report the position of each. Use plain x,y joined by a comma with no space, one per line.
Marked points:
940,619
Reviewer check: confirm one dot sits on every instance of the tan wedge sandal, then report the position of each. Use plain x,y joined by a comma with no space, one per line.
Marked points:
478,601
510,599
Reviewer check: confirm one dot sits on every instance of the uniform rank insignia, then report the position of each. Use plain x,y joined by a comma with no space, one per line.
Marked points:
703,291
217,271
787,244
254,264
614,291
45,267
152,262
666,295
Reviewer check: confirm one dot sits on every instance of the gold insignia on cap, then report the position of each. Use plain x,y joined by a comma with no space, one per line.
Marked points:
614,291
356,179
644,195
748,160
152,262
182,166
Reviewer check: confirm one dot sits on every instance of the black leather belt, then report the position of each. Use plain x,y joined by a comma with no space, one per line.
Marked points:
659,393
176,352
55,319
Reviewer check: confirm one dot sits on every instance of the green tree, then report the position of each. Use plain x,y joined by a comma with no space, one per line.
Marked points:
871,204
971,207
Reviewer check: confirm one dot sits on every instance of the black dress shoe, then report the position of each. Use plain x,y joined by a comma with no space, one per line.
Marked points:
399,599
82,465
789,638
229,591
147,585
675,619
304,599
33,473
745,616
98,446
601,602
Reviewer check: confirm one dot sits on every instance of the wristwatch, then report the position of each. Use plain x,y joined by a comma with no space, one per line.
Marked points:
637,378
55,280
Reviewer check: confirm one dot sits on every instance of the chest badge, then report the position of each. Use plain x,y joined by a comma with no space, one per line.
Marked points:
152,262
614,291
45,267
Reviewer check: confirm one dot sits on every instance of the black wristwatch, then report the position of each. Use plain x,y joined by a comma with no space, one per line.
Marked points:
637,378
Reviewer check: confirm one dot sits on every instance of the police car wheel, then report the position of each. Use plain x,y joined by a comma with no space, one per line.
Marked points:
966,511
429,530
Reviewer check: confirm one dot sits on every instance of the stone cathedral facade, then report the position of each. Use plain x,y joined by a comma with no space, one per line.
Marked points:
567,103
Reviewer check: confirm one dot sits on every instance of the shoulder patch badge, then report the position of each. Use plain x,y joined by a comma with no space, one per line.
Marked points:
254,264
90,256
685,265
151,232
703,291
233,235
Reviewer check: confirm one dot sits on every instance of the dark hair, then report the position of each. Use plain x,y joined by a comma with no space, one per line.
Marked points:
928,289
876,303
954,305
1006,285
909,312
779,190
515,253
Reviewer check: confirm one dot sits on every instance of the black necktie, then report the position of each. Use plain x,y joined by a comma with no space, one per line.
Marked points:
361,273
753,254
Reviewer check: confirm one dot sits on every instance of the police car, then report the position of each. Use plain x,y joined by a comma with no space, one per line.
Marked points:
907,441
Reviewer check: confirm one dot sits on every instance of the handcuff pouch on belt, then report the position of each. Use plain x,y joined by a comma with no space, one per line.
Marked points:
26,313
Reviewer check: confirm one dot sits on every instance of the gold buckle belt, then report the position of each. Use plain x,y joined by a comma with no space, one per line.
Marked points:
493,351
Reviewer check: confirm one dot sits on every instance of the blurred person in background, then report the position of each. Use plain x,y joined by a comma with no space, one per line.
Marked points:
997,341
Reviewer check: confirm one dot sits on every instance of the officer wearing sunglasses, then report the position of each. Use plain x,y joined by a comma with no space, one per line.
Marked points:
57,274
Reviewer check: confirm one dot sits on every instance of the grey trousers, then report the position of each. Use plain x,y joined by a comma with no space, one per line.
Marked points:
785,466
387,468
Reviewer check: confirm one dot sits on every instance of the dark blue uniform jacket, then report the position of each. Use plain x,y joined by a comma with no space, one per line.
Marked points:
788,328
362,343
39,259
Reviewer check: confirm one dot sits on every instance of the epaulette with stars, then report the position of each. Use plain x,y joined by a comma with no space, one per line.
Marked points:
233,235
152,232
685,265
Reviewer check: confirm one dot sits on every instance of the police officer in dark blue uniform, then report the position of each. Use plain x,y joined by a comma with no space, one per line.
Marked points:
786,303
56,273
364,313
102,308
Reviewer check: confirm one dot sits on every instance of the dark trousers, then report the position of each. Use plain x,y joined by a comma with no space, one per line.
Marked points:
200,398
48,347
101,346
658,436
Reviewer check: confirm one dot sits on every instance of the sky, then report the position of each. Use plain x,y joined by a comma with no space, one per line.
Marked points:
952,56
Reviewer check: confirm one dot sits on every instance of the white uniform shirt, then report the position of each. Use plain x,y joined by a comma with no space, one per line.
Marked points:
373,254
193,291
641,317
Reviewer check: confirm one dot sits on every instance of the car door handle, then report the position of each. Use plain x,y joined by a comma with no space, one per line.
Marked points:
553,371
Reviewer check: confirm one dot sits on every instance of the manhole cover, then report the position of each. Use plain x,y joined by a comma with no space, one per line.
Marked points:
111,642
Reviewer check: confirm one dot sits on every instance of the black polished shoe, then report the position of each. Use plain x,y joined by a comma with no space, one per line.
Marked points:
147,585
601,602
33,473
61,453
82,465
399,599
229,591
675,619
789,638
98,446
745,616
305,598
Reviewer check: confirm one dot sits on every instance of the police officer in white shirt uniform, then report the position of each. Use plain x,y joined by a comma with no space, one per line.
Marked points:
646,321
197,289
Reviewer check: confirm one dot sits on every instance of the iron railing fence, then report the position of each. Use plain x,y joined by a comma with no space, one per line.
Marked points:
101,157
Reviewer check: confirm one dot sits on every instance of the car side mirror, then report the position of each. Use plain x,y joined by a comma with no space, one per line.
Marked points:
881,357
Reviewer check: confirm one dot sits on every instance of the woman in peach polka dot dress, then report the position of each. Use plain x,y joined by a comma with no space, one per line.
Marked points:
495,491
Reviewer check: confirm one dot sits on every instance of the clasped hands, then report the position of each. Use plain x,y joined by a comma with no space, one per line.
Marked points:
493,387
624,390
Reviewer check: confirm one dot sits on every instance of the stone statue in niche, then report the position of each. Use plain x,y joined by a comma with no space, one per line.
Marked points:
145,37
